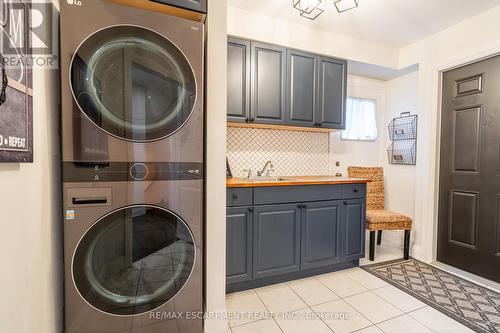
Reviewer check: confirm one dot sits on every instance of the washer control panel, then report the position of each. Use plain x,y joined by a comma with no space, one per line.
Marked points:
131,171
139,171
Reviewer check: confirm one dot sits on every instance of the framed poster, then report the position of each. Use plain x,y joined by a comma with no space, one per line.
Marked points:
16,82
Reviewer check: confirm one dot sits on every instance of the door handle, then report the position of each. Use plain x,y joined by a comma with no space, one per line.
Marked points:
89,201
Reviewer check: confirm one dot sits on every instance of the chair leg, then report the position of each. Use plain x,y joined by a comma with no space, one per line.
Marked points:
407,245
372,245
379,237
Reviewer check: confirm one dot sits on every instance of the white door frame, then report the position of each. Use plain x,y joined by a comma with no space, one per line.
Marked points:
428,164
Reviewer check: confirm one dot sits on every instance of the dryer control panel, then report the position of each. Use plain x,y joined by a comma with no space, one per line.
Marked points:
131,171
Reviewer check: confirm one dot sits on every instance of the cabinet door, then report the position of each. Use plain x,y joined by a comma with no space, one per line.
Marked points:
353,246
239,244
321,234
238,80
302,92
196,5
268,84
276,241
332,93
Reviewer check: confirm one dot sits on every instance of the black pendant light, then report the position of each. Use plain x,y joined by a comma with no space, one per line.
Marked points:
311,9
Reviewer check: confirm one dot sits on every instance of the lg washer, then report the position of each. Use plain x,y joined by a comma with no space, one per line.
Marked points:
132,151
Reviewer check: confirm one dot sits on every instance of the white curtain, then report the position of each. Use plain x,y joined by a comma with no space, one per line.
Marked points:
361,121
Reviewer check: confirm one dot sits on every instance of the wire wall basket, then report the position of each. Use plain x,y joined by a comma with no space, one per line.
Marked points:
403,134
403,152
404,127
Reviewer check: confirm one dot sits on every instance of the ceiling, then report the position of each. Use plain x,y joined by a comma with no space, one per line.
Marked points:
378,72
392,22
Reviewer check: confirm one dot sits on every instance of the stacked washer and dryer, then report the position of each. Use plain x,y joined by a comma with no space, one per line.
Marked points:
133,151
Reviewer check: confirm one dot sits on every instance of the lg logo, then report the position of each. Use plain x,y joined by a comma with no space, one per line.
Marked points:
74,2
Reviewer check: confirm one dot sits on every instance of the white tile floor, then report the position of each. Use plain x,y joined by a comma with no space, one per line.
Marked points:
347,301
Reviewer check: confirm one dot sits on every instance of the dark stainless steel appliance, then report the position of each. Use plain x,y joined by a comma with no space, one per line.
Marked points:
132,149
132,85
133,256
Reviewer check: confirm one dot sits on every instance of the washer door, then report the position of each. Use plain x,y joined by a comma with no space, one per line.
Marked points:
133,260
133,83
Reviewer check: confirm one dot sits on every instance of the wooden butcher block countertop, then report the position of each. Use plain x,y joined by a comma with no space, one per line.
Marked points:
294,181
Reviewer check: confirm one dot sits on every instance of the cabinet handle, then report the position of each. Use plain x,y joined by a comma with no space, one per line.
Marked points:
250,209
299,206
346,203
247,120
304,206
356,190
320,124
252,120
235,196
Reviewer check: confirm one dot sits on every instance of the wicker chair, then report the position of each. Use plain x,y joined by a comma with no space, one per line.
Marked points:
377,218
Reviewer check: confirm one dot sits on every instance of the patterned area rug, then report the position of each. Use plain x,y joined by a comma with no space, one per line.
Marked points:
474,306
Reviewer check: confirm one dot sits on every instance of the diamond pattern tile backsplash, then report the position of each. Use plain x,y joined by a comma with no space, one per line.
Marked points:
293,153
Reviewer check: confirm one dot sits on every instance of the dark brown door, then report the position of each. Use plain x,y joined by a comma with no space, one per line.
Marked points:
469,198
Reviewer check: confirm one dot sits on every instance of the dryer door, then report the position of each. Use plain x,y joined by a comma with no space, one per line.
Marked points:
133,83
133,260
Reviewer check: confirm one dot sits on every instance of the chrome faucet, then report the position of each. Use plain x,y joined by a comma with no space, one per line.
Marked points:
249,173
268,173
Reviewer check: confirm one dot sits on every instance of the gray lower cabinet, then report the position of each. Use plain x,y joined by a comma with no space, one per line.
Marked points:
321,228
276,238
280,233
354,230
239,237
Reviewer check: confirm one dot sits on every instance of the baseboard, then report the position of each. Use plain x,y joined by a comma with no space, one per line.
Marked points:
262,282
216,322
417,253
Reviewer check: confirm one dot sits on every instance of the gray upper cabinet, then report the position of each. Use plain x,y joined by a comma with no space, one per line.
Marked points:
238,80
301,93
239,244
354,230
196,5
268,84
276,240
321,228
332,93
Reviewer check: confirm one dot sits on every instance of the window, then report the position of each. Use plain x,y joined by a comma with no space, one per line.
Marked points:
361,122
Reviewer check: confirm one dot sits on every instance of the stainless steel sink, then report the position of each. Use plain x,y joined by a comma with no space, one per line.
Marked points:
267,179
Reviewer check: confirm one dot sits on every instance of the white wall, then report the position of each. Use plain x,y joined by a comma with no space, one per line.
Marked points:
31,238
250,25
393,97
468,41
215,223
360,153
402,96
30,217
